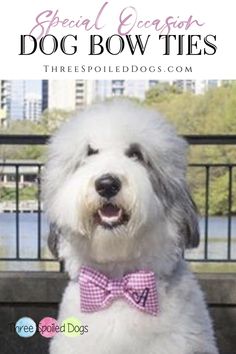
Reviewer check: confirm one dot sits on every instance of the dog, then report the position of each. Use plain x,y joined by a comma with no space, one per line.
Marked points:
115,192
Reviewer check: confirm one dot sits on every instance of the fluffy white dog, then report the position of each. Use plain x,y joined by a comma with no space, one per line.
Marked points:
116,194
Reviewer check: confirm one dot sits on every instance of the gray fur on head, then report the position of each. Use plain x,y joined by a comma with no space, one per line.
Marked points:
179,205
53,239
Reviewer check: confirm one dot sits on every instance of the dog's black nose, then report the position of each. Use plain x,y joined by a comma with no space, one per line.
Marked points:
107,186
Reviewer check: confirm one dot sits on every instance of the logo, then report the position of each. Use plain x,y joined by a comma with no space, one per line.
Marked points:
25,327
48,327
70,327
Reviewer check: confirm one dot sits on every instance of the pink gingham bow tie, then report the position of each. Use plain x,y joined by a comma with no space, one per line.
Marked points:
97,291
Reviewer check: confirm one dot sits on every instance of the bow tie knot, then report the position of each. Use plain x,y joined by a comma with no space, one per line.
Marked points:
115,287
98,292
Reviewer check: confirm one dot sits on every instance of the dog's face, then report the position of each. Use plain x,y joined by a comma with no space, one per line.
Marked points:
115,179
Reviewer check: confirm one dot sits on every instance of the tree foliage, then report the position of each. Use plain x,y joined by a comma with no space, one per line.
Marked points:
47,124
51,120
211,113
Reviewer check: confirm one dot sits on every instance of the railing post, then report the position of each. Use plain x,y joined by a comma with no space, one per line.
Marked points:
229,214
207,181
17,214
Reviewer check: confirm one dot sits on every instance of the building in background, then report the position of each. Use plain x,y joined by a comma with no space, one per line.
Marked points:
58,94
114,88
26,99
203,86
84,93
20,99
74,95
69,95
32,107
16,99
4,101
4,96
196,86
185,85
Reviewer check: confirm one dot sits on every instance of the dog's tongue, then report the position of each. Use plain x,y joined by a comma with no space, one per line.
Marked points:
110,210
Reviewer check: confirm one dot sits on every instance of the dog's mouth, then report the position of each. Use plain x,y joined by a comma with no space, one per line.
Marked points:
111,216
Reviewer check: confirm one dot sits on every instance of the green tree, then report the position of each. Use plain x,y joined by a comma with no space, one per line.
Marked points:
51,120
47,123
211,113
24,151
161,92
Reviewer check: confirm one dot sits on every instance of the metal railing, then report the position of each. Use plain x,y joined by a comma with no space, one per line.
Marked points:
229,257
42,255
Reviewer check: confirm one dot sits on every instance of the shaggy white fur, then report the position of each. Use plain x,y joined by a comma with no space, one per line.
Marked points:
145,224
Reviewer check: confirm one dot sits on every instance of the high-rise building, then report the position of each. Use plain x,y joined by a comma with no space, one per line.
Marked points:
84,93
32,106
204,85
196,86
16,99
4,101
185,85
58,94
129,88
74,95
70,95
4,94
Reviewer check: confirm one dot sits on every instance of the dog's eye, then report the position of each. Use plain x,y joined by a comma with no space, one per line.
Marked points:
135,153
92,151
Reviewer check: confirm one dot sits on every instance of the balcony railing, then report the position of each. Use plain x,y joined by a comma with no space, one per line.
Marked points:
23,227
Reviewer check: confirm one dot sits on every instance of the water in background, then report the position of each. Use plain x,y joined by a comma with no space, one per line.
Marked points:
28,232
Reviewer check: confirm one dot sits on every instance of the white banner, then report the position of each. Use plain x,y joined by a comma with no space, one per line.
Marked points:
125,39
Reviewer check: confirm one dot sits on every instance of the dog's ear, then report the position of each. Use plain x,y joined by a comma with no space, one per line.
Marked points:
53,239
178,204
188,223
